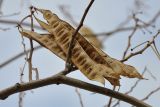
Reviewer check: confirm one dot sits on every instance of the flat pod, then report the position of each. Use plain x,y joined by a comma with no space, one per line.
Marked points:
86,57
46,40
90,36
63,37
100,57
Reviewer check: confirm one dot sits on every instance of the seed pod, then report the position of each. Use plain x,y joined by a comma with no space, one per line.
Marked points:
63,36
90,36
46,40
91,61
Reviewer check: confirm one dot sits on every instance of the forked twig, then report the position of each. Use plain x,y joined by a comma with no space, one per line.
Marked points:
142,50
139,45
130,36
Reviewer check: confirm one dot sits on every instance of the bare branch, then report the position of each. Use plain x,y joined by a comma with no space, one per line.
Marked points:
31,50
142,50
117,103
63,9
38,27
61,79
150,73
14,22
130,36
21,94
132,88
152,92
123,29
10,60
154,48
136,83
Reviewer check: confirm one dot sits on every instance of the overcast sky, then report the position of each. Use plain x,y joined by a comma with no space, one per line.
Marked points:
104,15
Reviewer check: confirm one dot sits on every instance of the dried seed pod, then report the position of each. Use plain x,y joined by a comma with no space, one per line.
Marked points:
46,40
127,70
63,36
59,29
92,62
90,36
79,57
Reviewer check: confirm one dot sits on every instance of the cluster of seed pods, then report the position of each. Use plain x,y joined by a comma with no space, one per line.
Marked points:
89,59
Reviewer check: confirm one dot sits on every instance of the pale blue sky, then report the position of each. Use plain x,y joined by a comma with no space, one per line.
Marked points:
103,16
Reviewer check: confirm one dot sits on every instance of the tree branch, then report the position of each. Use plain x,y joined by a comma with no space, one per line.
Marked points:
72,43
61,79
142,50
5,63
123,29
14,22
4,21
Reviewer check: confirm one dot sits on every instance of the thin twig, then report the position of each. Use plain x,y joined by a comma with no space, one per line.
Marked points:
79,96
123,29
150,73
31,50
154,48
136,83
21,94
117,103
112,32
130,37
152,92
132,88
72,43
36,72
63,9
28,16
110,100
14,22
139,45
24,48
142,50
15,57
